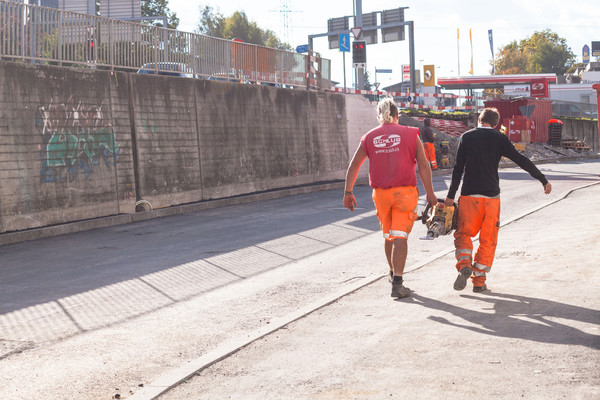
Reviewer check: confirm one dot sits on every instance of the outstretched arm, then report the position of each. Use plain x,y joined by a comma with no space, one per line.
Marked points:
359,157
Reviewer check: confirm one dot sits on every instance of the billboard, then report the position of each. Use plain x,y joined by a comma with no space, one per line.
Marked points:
120,9
394,16
429,75
335,26
539,88
369,23
405,72
596,49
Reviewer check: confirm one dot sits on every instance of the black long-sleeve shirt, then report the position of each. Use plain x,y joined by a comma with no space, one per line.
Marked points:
478,155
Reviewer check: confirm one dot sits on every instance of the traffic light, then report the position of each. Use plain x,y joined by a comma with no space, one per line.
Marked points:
359,52
91,56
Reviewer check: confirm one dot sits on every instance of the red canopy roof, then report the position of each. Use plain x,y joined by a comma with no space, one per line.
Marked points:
491,81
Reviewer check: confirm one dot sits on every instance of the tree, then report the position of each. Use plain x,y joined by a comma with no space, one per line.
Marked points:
156,8
543,52
211,23
237,26
511,60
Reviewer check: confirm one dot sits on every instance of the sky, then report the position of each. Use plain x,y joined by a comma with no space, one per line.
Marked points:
435,23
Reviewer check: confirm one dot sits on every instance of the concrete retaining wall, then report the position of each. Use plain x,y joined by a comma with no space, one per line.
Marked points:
78,144
584,130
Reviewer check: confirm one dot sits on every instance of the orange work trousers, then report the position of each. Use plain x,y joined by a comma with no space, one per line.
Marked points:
477,215
430,154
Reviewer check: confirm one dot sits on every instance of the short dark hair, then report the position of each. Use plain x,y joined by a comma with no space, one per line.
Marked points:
490,116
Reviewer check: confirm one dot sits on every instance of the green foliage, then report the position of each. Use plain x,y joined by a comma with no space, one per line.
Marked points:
511,60
211,23
454,116
156,8
237,26
543,52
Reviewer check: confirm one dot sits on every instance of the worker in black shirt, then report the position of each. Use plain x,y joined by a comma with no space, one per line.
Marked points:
427,137
478,155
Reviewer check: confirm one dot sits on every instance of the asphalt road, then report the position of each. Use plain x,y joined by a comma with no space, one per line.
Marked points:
108,312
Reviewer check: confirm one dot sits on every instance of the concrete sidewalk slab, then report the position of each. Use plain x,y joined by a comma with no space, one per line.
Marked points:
534,335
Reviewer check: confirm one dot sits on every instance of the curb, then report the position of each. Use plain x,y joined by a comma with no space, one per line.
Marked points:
178,375
104,222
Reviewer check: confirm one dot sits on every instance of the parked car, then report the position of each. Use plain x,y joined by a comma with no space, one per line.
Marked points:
572,110
167,69
225,78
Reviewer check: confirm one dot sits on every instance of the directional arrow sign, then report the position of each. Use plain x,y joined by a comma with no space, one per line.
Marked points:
345,42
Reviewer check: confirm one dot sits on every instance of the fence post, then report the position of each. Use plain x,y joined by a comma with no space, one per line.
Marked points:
596,87
308,69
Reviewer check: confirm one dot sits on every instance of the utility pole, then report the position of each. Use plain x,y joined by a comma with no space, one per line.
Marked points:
360,72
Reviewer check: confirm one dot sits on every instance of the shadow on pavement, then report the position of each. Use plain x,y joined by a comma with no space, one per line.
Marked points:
520,317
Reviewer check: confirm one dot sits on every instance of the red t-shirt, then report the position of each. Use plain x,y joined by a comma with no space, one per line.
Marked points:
392,152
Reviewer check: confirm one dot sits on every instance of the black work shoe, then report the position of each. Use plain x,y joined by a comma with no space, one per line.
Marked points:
399,290
479,289
461,280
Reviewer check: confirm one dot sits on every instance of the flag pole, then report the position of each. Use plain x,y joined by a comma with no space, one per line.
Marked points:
458,49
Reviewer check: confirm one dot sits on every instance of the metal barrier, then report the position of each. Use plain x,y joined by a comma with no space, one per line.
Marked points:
52,36
574,110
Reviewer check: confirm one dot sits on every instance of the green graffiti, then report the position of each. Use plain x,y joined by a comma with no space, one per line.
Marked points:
75,139
148,122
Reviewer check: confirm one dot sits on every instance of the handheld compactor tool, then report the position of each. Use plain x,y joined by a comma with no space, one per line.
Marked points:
440,220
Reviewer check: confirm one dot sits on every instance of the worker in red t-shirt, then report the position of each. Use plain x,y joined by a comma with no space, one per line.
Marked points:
393,150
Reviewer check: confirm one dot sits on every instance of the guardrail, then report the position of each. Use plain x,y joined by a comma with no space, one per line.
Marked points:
573,109
408,100
48,35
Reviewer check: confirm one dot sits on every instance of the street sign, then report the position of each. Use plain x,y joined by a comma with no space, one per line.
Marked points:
405,73
383,71
303,48
357,32
345,42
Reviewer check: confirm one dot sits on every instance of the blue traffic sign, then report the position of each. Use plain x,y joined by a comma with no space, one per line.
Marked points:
344,42
303,48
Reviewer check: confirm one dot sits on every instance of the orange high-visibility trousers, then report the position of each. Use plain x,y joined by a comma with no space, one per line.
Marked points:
430,154
477,215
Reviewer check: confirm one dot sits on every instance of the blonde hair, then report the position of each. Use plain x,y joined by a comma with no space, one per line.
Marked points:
387,110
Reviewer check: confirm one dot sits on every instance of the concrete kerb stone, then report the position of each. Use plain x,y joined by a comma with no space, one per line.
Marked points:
173,378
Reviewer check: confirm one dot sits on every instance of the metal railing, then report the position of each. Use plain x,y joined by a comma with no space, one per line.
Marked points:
574,110
52,36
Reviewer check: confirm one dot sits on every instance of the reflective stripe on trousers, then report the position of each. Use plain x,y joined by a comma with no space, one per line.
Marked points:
430,154
478,214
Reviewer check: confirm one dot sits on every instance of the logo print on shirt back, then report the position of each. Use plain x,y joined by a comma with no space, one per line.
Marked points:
386,142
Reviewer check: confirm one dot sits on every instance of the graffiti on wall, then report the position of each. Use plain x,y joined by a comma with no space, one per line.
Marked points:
75,138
